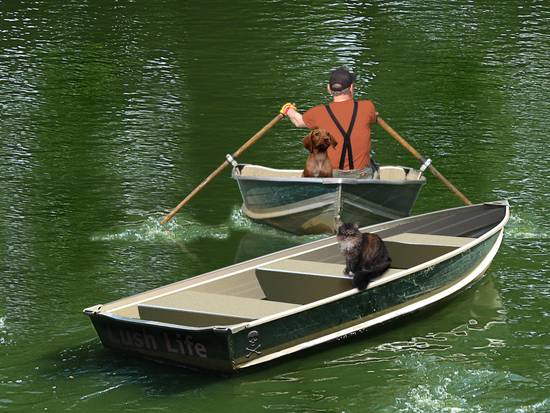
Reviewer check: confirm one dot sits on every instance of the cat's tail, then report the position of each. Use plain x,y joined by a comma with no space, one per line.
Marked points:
362,278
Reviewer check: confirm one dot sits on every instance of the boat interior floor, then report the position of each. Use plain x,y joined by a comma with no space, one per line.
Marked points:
281,285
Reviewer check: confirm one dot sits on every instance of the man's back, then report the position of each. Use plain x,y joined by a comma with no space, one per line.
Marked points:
319,117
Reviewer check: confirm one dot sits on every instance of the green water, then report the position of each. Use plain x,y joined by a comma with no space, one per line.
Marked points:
112,111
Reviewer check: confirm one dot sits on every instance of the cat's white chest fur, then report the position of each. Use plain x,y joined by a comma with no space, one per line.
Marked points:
347,246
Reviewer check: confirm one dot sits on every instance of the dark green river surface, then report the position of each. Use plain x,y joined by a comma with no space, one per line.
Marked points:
113,111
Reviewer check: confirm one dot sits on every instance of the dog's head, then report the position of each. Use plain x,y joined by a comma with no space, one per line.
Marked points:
319,140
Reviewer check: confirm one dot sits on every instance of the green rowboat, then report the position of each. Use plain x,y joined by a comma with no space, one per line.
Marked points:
286,200
272,306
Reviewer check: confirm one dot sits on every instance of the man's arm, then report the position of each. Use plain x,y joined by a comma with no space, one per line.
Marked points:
295,117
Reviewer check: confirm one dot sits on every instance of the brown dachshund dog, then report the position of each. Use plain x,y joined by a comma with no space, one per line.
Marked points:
317,142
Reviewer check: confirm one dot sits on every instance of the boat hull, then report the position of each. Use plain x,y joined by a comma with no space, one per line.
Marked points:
312,205
356,314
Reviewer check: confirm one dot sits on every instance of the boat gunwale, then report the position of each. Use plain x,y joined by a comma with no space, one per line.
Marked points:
328,181
325,242
141,322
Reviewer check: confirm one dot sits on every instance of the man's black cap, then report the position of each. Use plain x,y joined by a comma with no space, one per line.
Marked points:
341,79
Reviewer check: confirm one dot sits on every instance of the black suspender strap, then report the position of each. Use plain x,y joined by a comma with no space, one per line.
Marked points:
350,129
346,148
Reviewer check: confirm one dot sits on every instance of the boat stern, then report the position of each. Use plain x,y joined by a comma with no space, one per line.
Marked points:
201,348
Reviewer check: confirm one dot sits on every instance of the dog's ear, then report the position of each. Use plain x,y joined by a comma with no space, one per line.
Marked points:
332,140
308,141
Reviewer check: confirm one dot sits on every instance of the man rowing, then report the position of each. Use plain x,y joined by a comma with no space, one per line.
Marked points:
347,120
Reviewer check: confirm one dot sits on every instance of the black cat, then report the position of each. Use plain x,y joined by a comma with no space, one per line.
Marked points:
366,255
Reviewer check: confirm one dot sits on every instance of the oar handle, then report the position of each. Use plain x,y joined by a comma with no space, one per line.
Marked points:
418,156
220,168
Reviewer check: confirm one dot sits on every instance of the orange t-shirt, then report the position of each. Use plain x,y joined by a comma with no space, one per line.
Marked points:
318,117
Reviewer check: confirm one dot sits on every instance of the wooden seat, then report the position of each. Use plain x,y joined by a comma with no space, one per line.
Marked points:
429,239
392,173
410,249
309,267
302,282
262,171
193,308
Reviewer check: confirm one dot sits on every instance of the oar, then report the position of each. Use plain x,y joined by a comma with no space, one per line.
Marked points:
243,148
417,155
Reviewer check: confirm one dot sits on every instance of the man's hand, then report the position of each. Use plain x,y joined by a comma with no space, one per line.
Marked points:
289,109
286,107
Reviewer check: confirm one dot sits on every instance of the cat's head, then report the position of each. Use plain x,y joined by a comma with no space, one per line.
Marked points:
347,229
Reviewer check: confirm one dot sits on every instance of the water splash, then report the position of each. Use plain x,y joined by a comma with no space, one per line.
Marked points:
151,230
3,331
238,219
451,387
521,228
181,228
